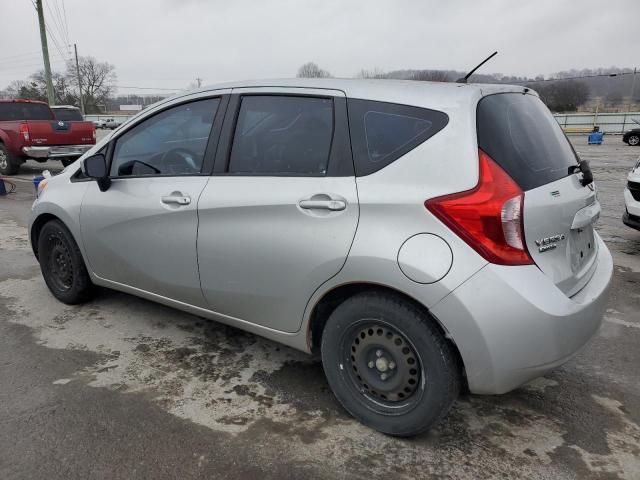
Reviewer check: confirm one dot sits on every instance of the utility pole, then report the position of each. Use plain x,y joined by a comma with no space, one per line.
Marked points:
79,81
45,53
633,85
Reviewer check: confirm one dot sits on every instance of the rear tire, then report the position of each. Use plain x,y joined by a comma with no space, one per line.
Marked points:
633,140
388,364
62,265
8,165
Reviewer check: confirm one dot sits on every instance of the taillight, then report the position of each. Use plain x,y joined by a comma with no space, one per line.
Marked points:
94,133
24,131
488,217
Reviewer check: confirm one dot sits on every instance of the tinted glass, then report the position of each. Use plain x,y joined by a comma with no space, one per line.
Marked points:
382,132
67,114
519,132
282,135
24,111
172,142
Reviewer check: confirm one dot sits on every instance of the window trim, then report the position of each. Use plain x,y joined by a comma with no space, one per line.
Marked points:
339,163
210,149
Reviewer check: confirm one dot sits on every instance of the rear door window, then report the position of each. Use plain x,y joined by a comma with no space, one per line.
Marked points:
383,132
519,132
282,135
10,111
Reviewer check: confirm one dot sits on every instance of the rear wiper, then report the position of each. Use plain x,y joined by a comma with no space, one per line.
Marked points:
587,174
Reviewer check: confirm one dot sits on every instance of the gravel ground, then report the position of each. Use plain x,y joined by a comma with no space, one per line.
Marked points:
124,388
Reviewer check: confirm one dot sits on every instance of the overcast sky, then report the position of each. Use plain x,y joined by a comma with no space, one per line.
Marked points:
168,43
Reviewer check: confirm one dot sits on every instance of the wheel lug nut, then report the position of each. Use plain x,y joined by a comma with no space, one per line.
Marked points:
371,364
383,377
392,365
378,353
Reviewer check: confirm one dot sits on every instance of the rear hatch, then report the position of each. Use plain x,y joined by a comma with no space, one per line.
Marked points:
520,134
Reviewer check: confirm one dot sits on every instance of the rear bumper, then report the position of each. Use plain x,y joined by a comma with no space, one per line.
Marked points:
57,151
632,221
512,324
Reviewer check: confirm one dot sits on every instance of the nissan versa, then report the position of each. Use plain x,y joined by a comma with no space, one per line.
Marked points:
421,237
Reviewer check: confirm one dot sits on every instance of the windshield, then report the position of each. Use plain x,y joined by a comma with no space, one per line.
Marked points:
68,114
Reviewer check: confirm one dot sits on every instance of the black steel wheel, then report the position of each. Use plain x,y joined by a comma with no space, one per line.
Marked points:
388,363
385,366
61,263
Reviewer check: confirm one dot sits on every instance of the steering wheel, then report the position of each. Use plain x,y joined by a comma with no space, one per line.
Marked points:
186,163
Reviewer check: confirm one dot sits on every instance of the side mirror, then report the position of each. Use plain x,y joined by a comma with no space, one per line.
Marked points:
95,167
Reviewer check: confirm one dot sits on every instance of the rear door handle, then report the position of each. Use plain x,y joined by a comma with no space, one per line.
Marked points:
333,205
176,198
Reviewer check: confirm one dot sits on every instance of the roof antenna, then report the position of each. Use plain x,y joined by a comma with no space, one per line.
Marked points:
464,79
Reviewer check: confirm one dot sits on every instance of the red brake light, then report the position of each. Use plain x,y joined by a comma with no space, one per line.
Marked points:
24,131
488,217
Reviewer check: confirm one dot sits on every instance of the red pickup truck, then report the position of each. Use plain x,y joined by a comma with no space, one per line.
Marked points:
29,129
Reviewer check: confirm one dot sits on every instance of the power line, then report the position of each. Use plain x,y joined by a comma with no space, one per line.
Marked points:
574,78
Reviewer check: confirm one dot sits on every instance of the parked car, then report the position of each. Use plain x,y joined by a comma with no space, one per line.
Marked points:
631,216
67,113
632,137
29,129
440,238
110,123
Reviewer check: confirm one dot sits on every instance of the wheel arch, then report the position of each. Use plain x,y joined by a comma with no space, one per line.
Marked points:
334,297
36,227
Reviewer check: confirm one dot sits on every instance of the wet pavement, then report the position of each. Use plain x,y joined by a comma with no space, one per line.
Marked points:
125,388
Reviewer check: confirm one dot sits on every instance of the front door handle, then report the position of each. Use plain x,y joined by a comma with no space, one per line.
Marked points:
333,205
176,198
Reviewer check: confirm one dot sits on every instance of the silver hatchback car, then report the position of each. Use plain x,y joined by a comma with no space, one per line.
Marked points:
421,237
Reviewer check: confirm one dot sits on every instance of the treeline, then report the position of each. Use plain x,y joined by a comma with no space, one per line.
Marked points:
564,95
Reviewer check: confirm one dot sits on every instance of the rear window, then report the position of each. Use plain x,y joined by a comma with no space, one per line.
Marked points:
519,132
382,132
24,111
68,114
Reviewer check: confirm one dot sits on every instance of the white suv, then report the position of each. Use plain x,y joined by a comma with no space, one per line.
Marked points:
631,215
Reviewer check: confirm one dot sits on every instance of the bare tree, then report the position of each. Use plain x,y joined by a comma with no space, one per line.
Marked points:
35,88
312,70
430,76
375,73
98,81
562,95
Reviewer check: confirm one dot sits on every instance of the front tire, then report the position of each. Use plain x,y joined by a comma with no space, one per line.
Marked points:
8,166
388,364
62,265
633,140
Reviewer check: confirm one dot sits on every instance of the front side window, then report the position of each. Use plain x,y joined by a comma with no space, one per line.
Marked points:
173,142
282,135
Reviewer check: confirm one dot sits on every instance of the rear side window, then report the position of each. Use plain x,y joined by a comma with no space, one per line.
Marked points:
383,132
282,135
68,114
24,111
519,132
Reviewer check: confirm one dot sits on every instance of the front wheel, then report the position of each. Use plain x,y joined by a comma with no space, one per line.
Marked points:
388,364
62,265
634,140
